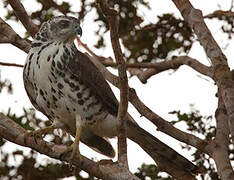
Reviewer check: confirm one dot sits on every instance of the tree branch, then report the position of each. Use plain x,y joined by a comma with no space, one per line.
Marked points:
222,74
153,68
13,132
163,163
21,13
219,147
8,35
109,61
159,122
11,64
111,16
220,13
164,126
175,63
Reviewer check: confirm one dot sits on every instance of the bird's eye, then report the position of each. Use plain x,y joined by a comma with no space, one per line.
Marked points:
63,23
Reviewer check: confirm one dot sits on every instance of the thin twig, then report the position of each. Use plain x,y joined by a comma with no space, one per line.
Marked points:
86,47
219,13
11,64
231,5
106,61
164,126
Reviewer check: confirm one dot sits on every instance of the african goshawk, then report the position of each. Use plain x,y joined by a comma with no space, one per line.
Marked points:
68,88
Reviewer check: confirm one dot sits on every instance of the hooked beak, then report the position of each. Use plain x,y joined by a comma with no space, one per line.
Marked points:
79,31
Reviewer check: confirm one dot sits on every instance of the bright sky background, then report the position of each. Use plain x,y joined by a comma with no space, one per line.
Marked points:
163,93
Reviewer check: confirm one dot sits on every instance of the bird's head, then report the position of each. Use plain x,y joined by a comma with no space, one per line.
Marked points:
60,28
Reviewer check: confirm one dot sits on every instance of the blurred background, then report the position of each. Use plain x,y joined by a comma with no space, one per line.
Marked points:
150,31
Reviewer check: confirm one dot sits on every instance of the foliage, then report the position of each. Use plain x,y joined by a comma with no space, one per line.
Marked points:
196,123
5,84
49,170
228,26
47,10
29,168
143,42
150,171
201,126
157,41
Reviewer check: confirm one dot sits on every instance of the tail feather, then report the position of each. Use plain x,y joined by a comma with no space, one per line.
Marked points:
157,149
97,143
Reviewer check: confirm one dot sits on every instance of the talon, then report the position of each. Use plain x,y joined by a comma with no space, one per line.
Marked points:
35,137
38,133
29,134
25,141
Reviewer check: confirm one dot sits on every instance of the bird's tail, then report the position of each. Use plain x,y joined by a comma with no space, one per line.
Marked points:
157,149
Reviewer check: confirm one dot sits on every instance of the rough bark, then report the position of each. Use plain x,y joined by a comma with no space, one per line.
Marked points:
223,78
111,16
8,35
219,71
13,132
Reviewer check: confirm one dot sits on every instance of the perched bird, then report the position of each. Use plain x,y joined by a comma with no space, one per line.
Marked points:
68,88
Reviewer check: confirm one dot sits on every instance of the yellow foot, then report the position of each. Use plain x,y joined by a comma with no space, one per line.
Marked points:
75,153
74,147
39,133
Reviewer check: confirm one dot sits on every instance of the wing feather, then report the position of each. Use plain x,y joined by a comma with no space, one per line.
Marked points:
86,71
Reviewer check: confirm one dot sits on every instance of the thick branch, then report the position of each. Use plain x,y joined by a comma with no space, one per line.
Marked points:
221,70
111,16
219,147
222,74
8,35
175,63
13,132
23,17
195,20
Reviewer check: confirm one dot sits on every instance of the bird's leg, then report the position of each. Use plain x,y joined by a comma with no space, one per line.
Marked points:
75,145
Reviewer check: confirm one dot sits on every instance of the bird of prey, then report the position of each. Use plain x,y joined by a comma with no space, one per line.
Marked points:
66,86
